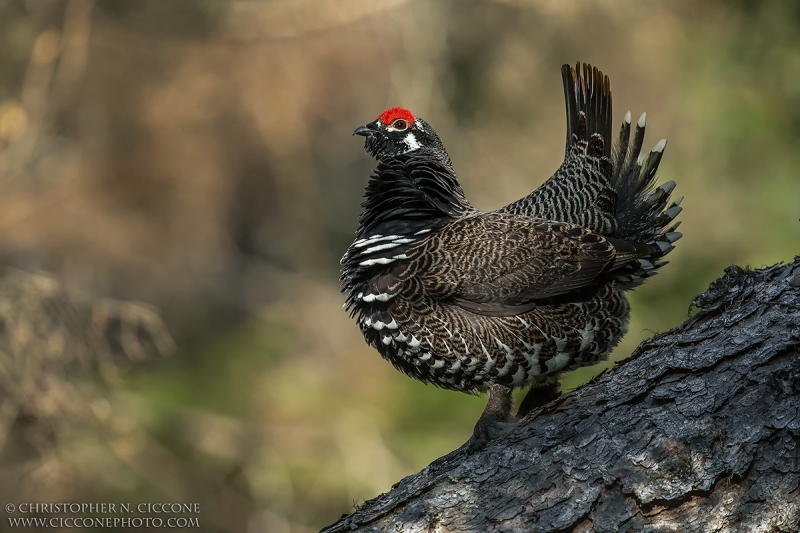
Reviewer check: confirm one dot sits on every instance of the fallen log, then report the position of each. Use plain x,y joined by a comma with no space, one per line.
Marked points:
698,431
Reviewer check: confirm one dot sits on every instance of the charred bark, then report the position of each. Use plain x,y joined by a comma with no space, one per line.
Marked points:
698,431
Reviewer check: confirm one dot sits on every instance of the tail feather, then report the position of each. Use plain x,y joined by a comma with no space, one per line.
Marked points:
588,99
644,212
634,148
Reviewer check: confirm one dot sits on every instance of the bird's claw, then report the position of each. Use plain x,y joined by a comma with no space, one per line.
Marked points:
486,430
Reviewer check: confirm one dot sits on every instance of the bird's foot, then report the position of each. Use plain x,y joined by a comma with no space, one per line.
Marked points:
487,429
537,396
495,420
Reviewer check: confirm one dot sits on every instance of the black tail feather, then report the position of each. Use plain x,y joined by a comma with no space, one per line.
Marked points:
587,92
644,213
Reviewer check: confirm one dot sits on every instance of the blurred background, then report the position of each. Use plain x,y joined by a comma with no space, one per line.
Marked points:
178,181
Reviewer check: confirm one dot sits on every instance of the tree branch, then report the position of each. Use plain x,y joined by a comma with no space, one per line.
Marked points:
698,431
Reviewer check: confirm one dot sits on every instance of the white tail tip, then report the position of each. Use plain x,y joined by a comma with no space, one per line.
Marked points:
642,120
673,236
665,247
627,118
673,211
659,147
668,186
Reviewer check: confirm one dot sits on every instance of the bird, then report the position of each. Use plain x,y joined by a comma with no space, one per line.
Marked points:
486,302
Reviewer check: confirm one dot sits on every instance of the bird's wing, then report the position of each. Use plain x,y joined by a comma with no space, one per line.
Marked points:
501,265
581,191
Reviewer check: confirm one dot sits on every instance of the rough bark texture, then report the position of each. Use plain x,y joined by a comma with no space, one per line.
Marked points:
699,431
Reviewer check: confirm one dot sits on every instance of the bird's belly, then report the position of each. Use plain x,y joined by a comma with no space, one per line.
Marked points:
456,349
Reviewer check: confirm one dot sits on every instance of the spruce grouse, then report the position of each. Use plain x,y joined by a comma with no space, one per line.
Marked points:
486,302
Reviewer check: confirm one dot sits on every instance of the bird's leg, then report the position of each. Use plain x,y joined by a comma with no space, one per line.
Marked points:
495,420
538,395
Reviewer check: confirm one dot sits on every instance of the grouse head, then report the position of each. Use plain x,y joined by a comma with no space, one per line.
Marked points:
397,132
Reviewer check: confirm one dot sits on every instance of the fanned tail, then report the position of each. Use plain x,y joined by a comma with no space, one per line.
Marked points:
644,212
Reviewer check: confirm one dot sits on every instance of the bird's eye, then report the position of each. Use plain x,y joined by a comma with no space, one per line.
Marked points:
399,124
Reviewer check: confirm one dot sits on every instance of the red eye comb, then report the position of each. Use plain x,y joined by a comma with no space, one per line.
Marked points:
390,115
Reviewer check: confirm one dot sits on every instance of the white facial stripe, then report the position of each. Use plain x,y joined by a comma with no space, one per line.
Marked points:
411,142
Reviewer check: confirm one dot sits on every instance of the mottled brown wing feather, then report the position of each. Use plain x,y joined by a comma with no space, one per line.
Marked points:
497,264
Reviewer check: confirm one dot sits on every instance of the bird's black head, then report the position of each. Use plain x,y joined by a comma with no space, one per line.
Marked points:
397,132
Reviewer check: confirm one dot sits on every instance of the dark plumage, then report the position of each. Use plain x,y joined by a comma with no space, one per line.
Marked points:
476,301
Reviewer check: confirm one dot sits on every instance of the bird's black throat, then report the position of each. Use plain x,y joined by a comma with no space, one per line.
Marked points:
407,194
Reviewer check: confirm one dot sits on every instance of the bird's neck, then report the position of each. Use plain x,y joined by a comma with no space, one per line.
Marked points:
407,194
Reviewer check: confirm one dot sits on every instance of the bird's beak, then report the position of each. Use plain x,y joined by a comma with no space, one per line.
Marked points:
366,130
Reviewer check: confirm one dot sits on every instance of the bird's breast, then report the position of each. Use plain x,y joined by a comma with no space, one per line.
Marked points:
457,349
